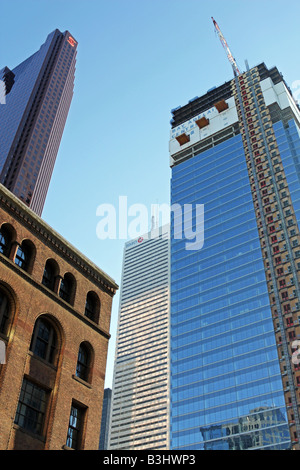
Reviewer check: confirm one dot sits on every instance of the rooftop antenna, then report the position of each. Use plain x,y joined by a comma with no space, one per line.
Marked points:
227,50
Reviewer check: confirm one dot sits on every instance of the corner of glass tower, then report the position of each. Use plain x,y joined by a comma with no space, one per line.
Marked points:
38,94
235,304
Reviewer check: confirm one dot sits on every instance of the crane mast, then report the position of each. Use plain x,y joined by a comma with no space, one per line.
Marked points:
225,45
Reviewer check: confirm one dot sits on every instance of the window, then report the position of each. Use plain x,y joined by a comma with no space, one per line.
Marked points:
92,306
24,255
4,313
292,335
21,258
67,287
83,362
74,437
44,340
31,408
64,291
50,273
5,241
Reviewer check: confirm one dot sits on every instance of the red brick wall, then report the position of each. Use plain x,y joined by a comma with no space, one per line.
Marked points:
30,300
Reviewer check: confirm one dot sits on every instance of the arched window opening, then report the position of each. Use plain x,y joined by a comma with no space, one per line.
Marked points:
5,240
44,341
5,313
50,273
67,288
92,307
83,362
24,255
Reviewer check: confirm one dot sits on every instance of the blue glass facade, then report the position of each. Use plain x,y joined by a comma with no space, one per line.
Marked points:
226,386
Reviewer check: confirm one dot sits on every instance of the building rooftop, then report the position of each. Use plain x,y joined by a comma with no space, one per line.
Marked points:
200,104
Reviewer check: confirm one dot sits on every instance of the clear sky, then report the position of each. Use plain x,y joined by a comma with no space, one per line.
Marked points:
137,59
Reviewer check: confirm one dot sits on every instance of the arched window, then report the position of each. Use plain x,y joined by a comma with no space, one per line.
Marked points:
83,362
67,288
44,340
5,239
50,273
24,256
4,313
92,307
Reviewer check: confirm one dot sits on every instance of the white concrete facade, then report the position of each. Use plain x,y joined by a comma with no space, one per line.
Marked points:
140,401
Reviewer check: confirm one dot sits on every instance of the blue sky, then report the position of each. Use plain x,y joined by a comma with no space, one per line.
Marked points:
137,59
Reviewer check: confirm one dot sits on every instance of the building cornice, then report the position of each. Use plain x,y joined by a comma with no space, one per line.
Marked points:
55,241
53,296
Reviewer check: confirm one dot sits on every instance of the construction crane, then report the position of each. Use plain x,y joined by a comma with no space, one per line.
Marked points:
227,50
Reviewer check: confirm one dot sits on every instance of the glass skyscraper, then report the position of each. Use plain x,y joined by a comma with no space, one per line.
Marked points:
104,432
235,305
33,113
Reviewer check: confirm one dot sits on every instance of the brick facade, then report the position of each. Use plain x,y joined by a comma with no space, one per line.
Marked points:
29,299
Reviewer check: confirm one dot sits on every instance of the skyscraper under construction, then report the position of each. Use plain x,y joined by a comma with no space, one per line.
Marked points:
235,304
33,113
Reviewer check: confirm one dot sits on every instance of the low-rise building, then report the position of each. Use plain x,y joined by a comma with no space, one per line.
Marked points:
55,310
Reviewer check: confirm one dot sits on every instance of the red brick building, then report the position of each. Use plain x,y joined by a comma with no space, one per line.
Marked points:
55,309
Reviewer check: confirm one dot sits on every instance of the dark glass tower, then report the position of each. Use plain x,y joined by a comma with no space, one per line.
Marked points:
32,119
235,304
103,443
